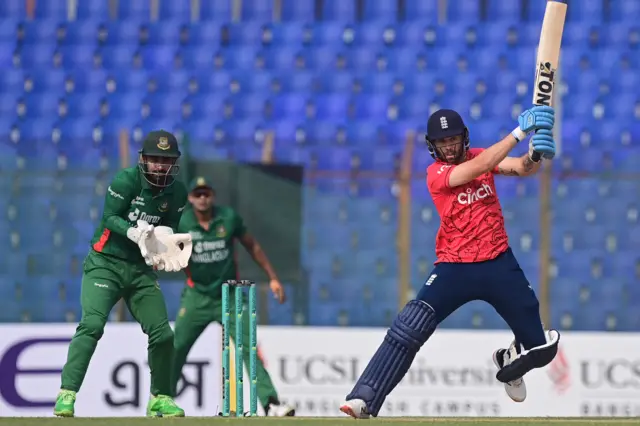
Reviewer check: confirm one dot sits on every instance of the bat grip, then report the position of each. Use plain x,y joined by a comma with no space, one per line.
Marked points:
535,156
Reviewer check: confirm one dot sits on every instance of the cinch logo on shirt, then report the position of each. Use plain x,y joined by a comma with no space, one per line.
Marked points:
470,197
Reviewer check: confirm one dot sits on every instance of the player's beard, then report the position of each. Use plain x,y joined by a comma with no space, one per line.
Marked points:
447,154
161,178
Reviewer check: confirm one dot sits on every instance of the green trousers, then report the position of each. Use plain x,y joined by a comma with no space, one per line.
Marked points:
196,312
105,280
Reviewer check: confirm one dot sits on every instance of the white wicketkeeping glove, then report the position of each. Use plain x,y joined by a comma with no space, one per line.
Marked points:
141,235
164,248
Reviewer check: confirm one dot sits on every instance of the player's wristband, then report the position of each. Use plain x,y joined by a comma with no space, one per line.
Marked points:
518,134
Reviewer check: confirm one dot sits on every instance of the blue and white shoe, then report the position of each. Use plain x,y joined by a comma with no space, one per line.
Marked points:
516,389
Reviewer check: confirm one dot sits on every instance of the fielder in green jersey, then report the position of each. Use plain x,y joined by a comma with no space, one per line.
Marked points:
214,230
115,268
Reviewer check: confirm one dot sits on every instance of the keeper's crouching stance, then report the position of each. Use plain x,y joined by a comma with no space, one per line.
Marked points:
121,265
474,262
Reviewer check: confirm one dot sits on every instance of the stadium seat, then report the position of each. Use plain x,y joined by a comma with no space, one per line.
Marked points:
175,10
219,11
421,10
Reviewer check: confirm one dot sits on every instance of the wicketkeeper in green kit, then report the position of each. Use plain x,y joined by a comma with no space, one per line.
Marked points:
142,209
214,229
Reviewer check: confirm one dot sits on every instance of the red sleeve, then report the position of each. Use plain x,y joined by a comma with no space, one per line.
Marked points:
438,177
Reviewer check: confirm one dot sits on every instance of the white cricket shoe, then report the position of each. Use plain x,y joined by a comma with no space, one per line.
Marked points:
355,408
516,389
281,410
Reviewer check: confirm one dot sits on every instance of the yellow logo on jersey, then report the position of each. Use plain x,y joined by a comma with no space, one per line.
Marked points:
164,206
221,232
182,312
163,143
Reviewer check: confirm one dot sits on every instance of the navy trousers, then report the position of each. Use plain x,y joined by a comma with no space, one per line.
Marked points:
499,282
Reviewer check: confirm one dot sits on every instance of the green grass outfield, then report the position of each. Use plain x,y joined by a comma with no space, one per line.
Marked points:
306,421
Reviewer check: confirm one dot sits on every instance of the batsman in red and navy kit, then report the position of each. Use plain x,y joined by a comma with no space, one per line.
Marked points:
474,260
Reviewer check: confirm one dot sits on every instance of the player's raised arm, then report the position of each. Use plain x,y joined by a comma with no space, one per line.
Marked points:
117,202
483,163
448,141
541,143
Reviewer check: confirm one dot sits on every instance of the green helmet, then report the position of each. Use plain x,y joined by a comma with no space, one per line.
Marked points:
158,157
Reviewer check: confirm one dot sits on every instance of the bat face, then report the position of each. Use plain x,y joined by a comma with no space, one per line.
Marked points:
549,52
543,93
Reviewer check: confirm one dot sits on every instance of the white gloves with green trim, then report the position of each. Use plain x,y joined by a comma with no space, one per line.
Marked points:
160,247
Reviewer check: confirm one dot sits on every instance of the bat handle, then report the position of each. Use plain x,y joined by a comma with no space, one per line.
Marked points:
535,156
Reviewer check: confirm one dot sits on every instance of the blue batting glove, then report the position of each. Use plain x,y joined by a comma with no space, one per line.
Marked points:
542,142
536,118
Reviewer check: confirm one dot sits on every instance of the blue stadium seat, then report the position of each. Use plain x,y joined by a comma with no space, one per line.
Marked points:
343,11
83,105
422,10
219,11
298,10
158,57
506,12
204,34
13,309
590,11
127,104
163,105
53,9
93,10
80,56
8,103
139,10
44,80
117,57
39,31
35,55
375,34
14,9
378,10
175,10
622,34
328,313
463,10
258,10
248,34
625,10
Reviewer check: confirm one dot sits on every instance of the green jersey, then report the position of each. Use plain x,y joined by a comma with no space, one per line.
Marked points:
213,259
131,198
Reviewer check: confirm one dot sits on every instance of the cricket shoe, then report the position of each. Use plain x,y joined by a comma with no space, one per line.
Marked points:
280,410
163,406
65,404
516,389
355,408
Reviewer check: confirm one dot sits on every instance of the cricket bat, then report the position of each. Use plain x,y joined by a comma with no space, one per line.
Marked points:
548,54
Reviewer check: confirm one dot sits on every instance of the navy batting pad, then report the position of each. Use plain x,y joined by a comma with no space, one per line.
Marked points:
528,360
410,330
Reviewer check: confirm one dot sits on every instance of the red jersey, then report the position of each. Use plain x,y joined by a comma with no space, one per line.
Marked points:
471,222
